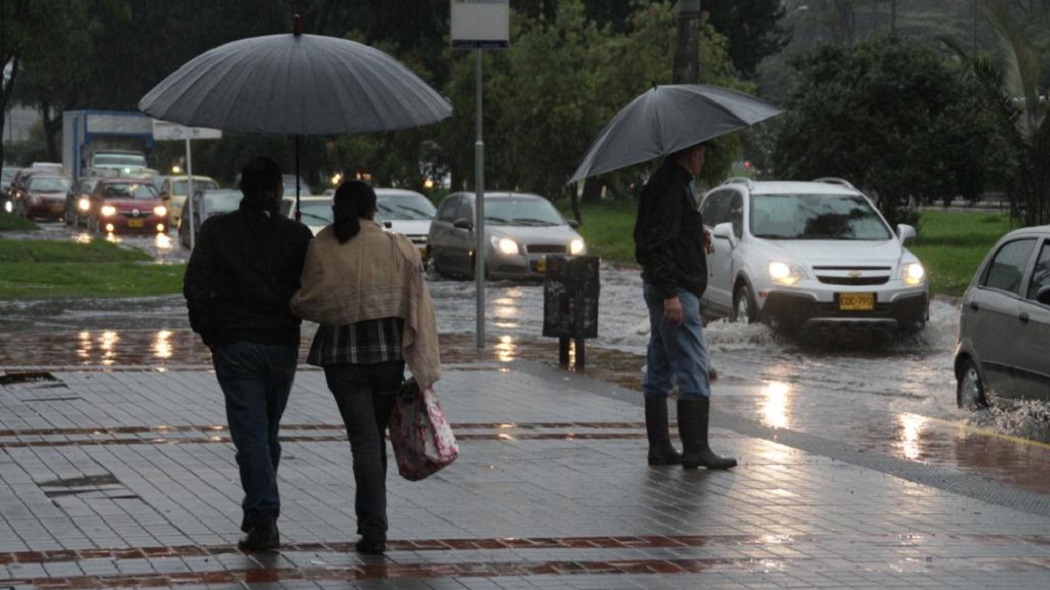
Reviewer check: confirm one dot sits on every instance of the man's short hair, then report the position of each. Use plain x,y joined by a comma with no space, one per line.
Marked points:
682,152
259,174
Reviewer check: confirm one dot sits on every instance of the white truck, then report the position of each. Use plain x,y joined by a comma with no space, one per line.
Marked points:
105,143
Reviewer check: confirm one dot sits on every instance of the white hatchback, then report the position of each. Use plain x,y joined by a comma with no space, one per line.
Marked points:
809,255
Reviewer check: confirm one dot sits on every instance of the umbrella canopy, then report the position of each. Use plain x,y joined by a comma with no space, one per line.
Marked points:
666,119
295,84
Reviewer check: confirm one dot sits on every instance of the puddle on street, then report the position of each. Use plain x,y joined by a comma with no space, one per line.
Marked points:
897,398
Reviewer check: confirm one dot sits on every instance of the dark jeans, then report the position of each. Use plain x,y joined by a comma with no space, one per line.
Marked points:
256,380
365,395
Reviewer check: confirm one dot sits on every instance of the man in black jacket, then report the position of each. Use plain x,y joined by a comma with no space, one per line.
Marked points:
671,245
239,281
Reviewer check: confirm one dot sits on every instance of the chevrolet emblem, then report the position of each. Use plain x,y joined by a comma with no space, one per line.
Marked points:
853,274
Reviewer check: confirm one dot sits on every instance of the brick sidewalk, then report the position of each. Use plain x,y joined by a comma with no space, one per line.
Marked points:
127,478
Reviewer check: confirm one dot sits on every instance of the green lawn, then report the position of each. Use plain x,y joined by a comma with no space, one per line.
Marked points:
36,269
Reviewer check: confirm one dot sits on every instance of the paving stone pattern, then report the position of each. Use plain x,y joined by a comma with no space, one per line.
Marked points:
126,478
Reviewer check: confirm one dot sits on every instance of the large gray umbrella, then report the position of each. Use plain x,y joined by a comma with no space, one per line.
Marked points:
666,119
295,84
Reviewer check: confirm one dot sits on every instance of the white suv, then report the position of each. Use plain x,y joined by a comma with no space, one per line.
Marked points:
809,255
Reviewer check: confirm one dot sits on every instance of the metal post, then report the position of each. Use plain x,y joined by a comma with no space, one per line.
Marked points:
479,215
187,205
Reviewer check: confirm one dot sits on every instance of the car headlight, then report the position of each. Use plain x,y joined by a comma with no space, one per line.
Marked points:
84,204
108,211
913,274
783,273
577,247
160,210
505,245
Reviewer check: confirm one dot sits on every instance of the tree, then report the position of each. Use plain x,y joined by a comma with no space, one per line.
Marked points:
14,35
892,117
753,28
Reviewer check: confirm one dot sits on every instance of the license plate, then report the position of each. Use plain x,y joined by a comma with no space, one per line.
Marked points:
856,301
135,223
541,264
58,207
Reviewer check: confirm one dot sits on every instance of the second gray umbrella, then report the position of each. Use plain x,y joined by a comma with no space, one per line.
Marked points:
666,119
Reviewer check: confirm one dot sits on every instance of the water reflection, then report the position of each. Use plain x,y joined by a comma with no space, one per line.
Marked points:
506,350
161,345
775,398
108,343
910,428
507,309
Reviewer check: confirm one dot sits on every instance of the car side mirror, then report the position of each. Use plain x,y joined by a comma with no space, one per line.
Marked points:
165,197
906,232
1043,295
387,225
724,231
574,224
463,223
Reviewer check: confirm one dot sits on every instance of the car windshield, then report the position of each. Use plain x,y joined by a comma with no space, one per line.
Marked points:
179,186
224,201
49,184
118,160
130,191
396,207
816,217
315,213
522,212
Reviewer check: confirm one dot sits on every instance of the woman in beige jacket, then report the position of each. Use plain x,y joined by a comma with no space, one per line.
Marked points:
365,287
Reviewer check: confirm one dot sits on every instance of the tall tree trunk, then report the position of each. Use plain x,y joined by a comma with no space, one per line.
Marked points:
687,43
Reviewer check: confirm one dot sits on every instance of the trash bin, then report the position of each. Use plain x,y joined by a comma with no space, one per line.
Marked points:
570,303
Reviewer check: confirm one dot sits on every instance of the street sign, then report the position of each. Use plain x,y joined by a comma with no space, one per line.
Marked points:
480,24
165,131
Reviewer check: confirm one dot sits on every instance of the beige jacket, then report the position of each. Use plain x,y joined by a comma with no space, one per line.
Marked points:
374,275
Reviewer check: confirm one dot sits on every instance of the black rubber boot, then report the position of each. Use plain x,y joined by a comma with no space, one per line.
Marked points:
661,451
693,417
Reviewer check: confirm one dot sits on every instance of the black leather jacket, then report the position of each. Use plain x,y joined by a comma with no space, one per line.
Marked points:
242,274
669,233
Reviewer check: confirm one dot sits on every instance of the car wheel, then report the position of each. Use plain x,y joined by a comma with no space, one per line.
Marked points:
969,392
745,310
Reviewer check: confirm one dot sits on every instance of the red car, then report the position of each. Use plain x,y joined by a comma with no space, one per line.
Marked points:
43,196
126,205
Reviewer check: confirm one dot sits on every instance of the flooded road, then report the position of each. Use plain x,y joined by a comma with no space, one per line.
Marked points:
896,398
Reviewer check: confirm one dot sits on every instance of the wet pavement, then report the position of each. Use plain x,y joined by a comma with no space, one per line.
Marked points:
857,471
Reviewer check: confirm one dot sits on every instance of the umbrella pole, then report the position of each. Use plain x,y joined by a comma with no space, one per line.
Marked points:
298,213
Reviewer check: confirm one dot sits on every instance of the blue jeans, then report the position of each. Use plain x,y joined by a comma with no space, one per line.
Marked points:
365,395
256,380
676,355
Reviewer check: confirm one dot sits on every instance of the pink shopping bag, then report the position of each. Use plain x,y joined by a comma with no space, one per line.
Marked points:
421,436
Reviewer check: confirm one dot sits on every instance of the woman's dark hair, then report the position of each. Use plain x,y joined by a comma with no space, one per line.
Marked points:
353,200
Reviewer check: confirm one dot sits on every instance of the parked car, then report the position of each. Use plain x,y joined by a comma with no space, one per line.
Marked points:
203,205
6,176
78,201
174,189
316,211
121,205
521,229
1004,326
42,196
809,255
289,186
406,212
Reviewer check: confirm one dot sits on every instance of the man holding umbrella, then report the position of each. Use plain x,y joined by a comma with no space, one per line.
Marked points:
238,285
671,245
